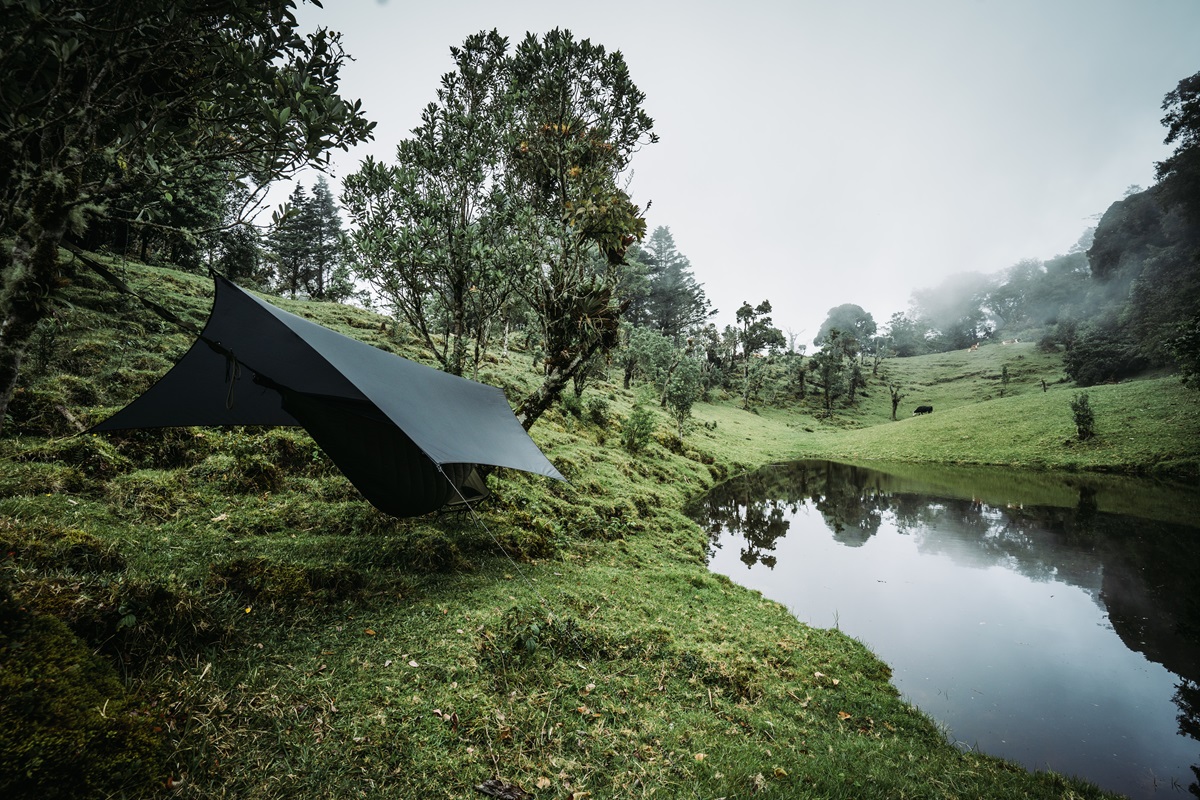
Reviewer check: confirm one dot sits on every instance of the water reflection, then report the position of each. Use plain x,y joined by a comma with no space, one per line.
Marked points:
1049,619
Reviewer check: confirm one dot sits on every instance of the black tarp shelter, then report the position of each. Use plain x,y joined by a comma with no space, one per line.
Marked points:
409,437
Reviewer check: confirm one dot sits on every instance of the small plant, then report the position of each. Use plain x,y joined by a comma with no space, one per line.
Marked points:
1085,420
572,404
637,430
597,410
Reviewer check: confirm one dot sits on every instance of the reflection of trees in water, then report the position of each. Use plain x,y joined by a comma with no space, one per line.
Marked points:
1141,572
756,506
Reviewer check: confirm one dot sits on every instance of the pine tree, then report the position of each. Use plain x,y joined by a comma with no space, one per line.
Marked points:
676,301
289,243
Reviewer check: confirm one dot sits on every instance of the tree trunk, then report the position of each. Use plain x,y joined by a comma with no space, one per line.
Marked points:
533,406
28,281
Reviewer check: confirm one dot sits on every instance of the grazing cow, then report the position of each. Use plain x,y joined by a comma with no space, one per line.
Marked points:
973,347
923,410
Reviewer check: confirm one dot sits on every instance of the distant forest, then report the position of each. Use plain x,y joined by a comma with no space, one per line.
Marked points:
503,220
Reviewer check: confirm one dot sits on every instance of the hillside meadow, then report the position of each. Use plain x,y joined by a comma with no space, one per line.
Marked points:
249,628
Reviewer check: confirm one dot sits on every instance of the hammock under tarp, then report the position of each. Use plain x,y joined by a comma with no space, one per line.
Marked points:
407,436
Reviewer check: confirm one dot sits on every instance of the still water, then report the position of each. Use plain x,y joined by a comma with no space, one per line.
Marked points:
1049,619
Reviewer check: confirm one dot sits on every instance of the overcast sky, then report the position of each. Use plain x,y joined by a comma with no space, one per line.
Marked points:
849,151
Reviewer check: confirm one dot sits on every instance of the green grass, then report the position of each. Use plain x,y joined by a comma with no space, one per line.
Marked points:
1149,426
284,639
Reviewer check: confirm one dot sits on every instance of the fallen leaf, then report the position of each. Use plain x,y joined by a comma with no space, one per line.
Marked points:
220,518
780,772
370,632
843,715
413,664
543,782
701,756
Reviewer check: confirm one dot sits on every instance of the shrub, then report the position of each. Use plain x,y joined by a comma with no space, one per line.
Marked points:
637,430
1103,352
1085,420
572,404
597,410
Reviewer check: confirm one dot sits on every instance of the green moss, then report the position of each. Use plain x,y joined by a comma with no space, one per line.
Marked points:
257,579
54,547
68,729
154,494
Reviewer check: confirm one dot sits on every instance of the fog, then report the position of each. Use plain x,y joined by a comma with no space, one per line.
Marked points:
816,154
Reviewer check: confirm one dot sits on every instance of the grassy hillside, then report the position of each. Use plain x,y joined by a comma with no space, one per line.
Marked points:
277,637
1149,426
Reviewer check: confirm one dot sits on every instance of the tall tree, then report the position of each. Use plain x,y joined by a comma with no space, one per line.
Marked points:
431,232
676,301
290,244
578,120
851,320
326,276
97,97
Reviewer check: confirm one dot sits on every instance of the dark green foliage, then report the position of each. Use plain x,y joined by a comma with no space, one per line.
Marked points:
1185,348
637,429
851,320
67,727
597,410
1085,418
1179,173
674,302
1103,351
572,404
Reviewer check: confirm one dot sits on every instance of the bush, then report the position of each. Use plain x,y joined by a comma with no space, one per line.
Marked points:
597,410
638,429
1085,420
1103,352
572,404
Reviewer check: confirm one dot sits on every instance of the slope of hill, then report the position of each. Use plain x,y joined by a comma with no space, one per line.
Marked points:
278,637
1147,426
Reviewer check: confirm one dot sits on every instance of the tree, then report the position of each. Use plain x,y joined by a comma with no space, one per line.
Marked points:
577,121
953,312
1085,418
1179,173
851,320
96,101
829,367
908,336
326,277
675,301
757,333
683,390
431,232
289,244
895,390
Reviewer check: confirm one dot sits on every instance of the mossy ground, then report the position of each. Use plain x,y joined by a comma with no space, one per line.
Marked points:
291,641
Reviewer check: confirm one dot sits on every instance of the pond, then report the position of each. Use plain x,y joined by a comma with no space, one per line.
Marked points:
1051,619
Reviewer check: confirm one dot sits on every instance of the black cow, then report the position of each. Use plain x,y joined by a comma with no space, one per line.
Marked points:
923,410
